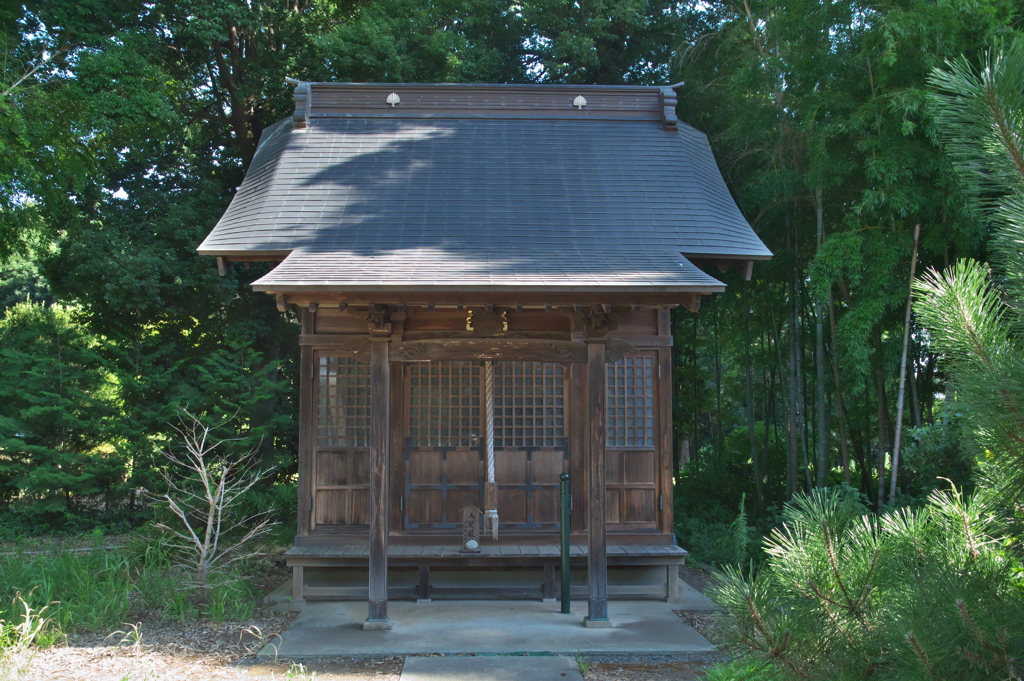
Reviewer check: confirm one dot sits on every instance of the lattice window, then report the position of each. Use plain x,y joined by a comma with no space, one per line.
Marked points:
343,403
529,404
631,402
445,404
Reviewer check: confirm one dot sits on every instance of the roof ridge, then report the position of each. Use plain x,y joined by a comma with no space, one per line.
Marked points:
655,103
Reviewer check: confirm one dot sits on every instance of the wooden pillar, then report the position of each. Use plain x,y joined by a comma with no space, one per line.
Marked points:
380,426
597,536
307,413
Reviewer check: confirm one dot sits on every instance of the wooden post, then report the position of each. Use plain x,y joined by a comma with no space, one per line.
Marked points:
298,588
308,377
380,426
423,594
597,539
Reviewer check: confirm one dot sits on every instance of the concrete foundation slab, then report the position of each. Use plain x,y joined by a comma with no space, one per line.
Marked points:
544,668
691,599
486,627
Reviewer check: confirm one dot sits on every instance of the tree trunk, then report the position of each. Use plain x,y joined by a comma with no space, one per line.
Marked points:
840,409
883,441
695,448
821,458
720,437
903,371
929,391
915,401
864,451
792,462
801,395
749,385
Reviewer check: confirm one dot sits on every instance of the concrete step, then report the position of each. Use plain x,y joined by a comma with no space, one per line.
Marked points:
491,668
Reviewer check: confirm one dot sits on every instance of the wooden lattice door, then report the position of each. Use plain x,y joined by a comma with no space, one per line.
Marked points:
444,457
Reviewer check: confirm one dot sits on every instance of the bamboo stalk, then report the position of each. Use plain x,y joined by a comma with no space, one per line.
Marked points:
903,371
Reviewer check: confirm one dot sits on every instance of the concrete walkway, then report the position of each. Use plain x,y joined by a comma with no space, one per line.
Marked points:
487,627
546,668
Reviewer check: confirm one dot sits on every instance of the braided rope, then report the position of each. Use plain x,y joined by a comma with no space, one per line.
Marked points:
489,417
490,514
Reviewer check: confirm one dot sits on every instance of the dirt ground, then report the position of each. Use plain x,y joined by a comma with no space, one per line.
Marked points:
155,650
190,652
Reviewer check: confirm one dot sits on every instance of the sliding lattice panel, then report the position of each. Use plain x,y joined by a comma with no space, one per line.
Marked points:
341,480
632,468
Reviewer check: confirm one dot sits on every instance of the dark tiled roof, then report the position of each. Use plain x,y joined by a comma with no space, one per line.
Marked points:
365,200
519,270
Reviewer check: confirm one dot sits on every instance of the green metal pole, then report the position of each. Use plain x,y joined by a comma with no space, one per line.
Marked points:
566,506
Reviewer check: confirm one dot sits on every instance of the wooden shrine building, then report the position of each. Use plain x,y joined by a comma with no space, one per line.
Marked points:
484,275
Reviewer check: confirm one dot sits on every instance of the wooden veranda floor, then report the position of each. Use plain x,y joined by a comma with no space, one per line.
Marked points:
512,556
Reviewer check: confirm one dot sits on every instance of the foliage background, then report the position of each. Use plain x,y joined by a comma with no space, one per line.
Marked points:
125,127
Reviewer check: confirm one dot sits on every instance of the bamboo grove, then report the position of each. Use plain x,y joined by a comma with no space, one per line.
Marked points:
819,114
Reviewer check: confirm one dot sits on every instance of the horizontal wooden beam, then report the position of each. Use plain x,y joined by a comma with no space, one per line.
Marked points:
536,350
645,341
468,299
491,348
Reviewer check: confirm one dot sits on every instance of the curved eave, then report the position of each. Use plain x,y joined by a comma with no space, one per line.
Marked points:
286,287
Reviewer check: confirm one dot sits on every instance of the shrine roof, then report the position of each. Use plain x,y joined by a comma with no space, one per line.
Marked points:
484,186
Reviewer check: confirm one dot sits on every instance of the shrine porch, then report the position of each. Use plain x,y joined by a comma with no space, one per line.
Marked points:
541,560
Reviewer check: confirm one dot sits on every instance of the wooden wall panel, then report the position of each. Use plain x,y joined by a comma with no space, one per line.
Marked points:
546,466
638,506
332,507
512,506
331,468
424,467
544,506
330,320
360,473
632,478
360,513
510,467
463,467
456,500
639,468
638,323
341,487
613,457
423,507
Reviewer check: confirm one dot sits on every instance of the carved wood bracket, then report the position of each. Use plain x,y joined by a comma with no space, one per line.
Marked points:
592,321
379,321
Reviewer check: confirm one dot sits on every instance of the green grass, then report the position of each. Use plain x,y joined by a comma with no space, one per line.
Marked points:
740,670
18,639
101,589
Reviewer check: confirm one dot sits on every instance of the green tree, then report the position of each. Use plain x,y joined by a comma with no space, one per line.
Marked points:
974,316
818,116
923,593
56,405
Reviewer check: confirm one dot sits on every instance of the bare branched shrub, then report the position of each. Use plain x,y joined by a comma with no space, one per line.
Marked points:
204,488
